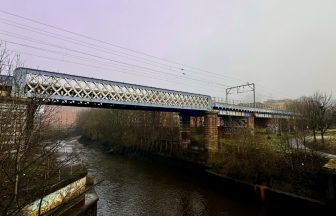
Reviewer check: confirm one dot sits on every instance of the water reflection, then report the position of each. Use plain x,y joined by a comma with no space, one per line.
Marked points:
133,186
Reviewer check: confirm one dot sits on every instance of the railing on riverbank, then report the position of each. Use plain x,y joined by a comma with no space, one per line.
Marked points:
65,197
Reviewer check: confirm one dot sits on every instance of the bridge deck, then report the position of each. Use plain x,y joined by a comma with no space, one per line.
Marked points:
65,89
84,90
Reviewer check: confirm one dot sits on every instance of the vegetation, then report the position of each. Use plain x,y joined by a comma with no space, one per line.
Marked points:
121,130
29,146
281,160
271,161
317,114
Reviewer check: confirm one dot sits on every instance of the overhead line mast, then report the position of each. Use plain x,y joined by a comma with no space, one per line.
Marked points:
251,87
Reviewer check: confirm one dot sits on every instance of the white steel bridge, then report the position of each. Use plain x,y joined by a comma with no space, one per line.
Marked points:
65,89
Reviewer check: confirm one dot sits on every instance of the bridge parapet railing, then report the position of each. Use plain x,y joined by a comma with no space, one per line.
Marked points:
248,106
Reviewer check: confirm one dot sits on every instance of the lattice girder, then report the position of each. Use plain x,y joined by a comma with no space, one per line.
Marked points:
57,86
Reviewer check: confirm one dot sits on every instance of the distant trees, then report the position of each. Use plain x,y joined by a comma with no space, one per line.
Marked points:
313,115
325,111
317,113
128,128
283,162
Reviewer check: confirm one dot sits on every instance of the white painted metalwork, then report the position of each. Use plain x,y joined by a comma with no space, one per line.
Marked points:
65,89
229,109
57,86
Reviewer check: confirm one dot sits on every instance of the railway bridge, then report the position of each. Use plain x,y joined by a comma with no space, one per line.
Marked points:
62,89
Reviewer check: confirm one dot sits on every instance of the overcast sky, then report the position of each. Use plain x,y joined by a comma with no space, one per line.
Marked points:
287,47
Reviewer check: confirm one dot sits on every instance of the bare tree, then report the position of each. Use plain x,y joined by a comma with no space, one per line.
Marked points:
316,112
309,114
325,112
29,148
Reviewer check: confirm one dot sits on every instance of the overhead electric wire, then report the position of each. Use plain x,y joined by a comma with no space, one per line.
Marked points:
108,59
61,53
88,59
184,66
87,37
105,68
81,43
87,65
86,44
39,42
99,62
110,44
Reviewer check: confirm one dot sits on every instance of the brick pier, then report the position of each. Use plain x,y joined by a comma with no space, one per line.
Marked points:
211,122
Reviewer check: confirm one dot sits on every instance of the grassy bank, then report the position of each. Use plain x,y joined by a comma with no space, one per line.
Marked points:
265,160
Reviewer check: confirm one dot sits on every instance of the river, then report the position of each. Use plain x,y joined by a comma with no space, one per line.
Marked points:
135,186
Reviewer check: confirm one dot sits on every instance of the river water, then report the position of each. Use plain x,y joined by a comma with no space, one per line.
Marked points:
135,186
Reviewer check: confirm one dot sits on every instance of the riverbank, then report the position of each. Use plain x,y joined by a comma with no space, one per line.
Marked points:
275,201
138,185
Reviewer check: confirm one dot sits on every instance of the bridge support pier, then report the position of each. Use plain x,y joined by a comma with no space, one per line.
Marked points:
211,121
184,131
250,122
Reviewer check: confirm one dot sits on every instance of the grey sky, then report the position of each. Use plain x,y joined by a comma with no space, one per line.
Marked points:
287,47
